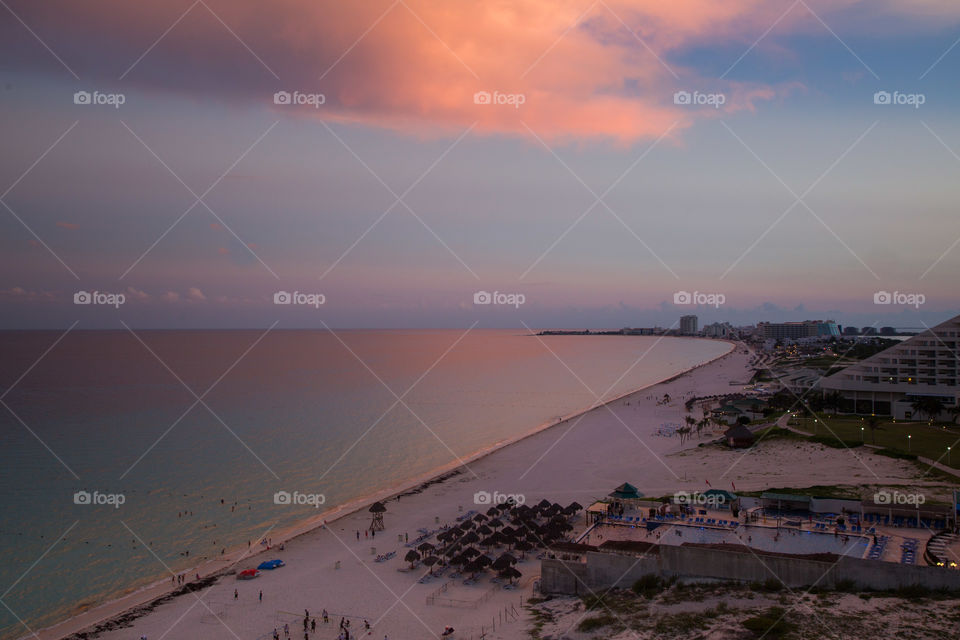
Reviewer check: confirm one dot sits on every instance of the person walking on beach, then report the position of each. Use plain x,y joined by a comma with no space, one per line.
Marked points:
286,629
326,618
261,595
313,625
236,594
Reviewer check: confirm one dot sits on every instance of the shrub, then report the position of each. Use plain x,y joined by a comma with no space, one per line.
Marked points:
648,586
770,624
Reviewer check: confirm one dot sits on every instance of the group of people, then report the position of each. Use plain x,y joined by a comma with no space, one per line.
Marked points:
310,626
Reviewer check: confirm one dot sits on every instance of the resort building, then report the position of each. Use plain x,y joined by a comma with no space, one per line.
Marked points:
719,330
889,382
688,325
797,330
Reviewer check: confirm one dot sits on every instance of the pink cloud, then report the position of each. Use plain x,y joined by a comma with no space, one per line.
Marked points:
607,74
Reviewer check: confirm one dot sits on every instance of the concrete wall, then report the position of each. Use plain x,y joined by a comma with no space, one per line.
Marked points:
605,570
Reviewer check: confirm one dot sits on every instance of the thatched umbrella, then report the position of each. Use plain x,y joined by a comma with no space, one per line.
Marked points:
453,549
495,523
430,561
470,538
471,552
459,560
490,540
485,560
511,573
508,531
474,566
576,506
467,525
480,517
484,530
411,557
494,510
426,546
523,547
505,560
543,504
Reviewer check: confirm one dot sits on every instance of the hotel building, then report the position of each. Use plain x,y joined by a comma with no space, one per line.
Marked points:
888,382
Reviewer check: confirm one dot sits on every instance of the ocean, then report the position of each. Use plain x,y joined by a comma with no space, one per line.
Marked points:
161,448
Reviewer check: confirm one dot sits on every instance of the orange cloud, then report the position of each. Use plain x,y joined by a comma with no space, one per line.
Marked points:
585,71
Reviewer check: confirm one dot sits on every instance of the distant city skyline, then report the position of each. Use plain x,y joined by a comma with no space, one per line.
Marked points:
395,160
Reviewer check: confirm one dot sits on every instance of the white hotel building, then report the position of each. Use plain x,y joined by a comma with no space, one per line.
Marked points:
886,383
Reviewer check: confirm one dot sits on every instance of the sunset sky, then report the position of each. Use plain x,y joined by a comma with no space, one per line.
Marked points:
592,188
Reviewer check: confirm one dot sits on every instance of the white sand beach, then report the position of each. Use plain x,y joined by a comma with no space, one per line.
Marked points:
579,459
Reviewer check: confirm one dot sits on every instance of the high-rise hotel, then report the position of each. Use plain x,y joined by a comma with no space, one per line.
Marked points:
888,382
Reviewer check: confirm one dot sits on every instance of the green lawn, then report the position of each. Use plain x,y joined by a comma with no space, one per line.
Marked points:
924,440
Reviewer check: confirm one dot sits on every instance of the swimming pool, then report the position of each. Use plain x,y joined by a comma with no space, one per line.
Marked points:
765,539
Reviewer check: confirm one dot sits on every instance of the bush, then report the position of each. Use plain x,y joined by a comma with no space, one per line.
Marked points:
893,453
770,624
591,624
649,585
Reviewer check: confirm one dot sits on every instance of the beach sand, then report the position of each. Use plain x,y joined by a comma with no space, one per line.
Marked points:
579,459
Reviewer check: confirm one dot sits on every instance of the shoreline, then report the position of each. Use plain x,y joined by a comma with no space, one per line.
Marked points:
140,601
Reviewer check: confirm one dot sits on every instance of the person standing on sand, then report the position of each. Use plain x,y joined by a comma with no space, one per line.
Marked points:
326,618
286,629
236,594
261,595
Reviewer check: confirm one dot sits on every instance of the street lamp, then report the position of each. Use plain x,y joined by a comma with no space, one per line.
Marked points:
861,435
908,443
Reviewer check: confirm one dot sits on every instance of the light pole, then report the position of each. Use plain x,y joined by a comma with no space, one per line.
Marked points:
908,443
861,435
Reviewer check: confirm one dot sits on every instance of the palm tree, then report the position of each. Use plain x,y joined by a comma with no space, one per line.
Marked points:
702,424
927,406
874,425
691,421
833,400
683,432
955,412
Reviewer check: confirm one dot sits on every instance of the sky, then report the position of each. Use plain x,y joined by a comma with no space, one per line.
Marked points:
225,163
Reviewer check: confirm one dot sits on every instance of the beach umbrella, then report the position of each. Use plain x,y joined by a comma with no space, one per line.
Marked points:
484,560
459,560
473,566
467,525
511,573
430,561
451,550
426,546
494,510
495,523
504,561
508,531
480,517
576,506
470,552
471,537
543,504
412,556
484,530
523,547
490,541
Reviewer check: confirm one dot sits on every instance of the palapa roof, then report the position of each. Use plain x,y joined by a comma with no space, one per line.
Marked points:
626,491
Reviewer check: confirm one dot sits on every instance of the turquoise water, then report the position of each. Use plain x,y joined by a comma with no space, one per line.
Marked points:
304,411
